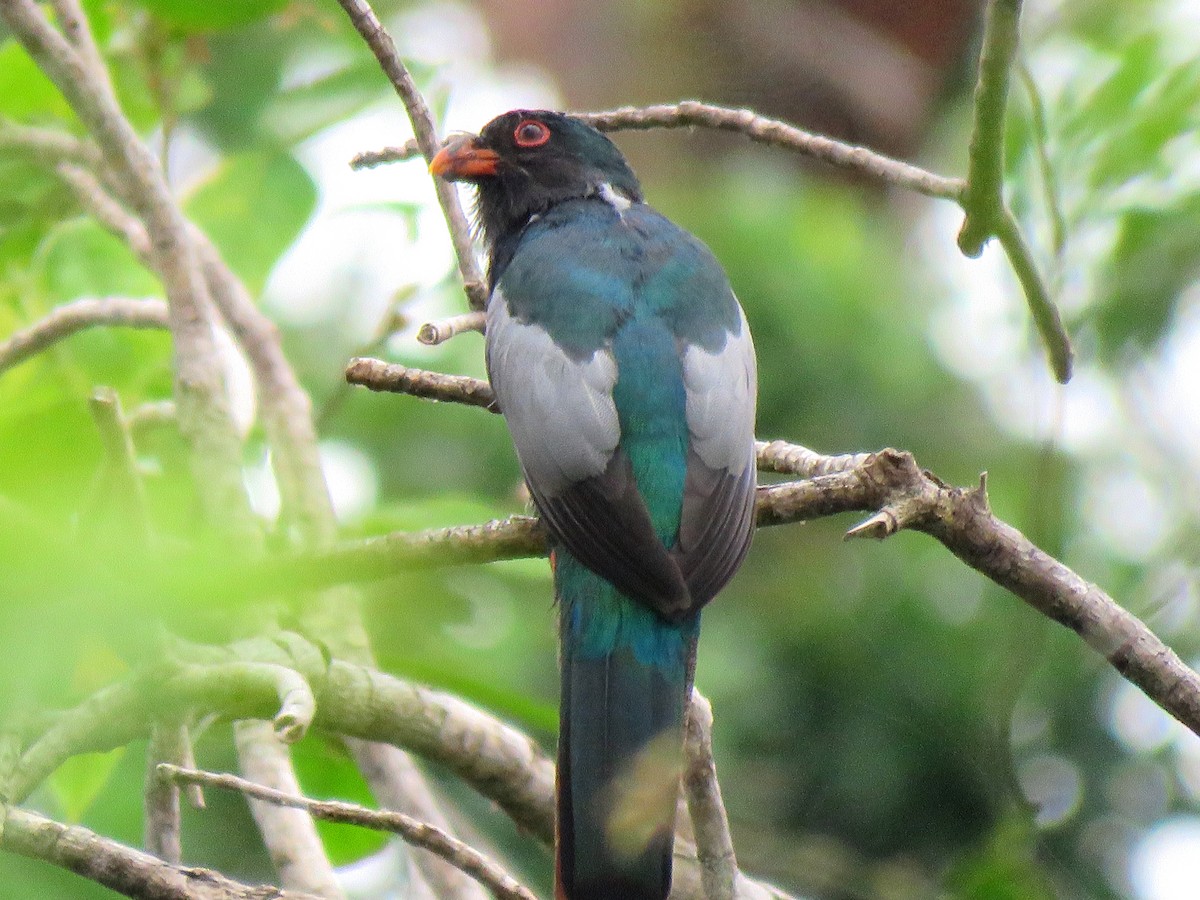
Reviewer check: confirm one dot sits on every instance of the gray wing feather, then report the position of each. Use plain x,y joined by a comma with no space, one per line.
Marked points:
722,387
717,520
560,411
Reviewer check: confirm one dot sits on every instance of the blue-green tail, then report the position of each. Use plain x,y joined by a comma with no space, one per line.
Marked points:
626,674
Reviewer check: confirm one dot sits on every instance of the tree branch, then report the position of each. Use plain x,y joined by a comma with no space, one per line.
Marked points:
47,144
420,834
434,333
120,868
204,411
399,785
764,130
297,852
689,113
130,493
498,761
392,377
71,318
714,845
987,215
169,743
368,25
983,200
980,196
889,483
291,433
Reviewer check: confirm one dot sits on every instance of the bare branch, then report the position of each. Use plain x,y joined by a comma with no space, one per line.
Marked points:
434,333
204,410
161,828
987,216
129,491
120,868
369,159
295,847
381,376
74,25
792,459
399,785
71,318
1045,314
688,113
983,199
381,44
107,210
47,144
691,113
714,845
415,832
889,484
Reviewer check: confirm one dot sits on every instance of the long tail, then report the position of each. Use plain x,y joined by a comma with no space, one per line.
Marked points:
626,675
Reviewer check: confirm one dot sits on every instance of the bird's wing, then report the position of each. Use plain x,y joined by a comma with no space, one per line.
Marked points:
717,522
564,423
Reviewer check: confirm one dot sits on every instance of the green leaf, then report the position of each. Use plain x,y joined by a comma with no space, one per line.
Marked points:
307,107
80,258
327,773
192,16
244,69
512,704
253,208
25,93
1133,145
78,782
1156,258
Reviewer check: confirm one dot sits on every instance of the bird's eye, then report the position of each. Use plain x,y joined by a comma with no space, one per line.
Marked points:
531,133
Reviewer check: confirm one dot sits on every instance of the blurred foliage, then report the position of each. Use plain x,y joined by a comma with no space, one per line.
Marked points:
889,724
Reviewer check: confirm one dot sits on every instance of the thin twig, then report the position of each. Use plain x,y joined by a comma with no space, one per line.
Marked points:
434,333
107,210
369,159
987,215
129,492
79,315
1045,314
714,845
204,409
395,378
688,113
162,834
287,833
368,25
122,869
983,198
420,834
1041,147
692,113
291,433
47,144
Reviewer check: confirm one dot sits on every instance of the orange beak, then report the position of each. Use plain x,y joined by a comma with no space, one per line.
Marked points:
463,159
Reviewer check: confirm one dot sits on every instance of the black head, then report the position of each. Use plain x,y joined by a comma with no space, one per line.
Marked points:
527,160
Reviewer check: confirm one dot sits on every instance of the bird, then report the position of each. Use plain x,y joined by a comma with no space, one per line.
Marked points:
624,368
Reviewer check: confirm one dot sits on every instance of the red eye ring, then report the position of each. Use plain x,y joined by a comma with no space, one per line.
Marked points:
531,133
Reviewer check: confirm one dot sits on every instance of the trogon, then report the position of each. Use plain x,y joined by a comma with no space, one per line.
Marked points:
624,368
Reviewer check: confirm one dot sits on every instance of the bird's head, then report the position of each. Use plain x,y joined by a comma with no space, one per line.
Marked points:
527,160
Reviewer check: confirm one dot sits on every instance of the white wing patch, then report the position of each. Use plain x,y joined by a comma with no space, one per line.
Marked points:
560,412
722,390
614,198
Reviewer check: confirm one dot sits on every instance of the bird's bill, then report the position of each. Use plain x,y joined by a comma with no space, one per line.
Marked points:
464,159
